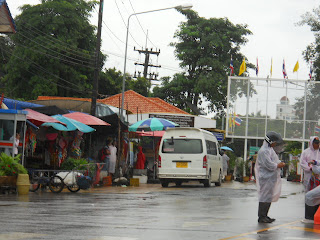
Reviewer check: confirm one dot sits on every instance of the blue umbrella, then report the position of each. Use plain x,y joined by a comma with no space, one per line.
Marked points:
152,124
71,125
226,148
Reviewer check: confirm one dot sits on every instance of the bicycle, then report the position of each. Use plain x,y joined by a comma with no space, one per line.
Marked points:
82,177
52,180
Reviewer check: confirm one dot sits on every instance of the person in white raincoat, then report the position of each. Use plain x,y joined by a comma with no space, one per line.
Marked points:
267,171
309,158
225,163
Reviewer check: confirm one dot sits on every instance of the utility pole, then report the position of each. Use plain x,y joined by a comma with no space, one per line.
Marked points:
147,52
96,63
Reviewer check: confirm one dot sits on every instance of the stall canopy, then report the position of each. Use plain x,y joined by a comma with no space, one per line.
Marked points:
38,118
50,110
86,119
71,125
19,105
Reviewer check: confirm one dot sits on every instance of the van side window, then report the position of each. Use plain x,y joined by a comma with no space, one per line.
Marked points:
214,148
211,147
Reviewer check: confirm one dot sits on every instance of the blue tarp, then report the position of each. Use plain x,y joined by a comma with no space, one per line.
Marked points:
19,105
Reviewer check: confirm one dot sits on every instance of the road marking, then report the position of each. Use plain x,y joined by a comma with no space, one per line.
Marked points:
258,231
305,229
20,235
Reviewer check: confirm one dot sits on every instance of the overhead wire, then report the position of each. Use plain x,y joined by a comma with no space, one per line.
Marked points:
141,25
78,51
47,72
84,64
70,59
125,24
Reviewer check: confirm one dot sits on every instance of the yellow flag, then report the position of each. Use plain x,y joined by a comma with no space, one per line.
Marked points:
234,119
271,68
296,67
243,67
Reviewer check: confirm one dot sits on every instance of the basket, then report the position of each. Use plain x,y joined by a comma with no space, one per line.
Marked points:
84,182
134,182
107,181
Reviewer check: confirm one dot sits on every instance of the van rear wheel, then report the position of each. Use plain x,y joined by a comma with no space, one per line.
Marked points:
220,180
207,182
164,183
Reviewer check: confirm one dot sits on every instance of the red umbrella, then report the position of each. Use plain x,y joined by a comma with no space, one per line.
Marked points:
38,118
86,119
151,134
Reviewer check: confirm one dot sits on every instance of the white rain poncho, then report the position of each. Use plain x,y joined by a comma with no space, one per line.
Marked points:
225,159
268,174
307,156
313,196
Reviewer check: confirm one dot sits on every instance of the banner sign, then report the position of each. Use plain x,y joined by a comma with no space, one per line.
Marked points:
183,121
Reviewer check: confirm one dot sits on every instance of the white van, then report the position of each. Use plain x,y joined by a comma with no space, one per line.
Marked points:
189,154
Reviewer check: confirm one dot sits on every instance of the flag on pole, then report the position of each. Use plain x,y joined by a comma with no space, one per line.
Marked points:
296,67
243,67
238,121
284,71
257,68
271,68
311,70
316,129
231,67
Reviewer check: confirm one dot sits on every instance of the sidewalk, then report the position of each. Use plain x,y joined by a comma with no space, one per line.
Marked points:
288,188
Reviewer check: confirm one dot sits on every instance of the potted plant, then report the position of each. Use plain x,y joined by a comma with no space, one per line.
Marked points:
232,163
10,168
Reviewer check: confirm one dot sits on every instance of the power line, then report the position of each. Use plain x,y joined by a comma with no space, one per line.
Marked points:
126,24
141,25
84,64
45,71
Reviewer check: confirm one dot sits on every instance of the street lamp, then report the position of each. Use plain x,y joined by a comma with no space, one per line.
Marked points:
180,7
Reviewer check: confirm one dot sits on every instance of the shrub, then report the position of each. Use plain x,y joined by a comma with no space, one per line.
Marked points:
72,163
10,166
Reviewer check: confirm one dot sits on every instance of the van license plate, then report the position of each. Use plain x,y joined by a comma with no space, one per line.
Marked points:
181,164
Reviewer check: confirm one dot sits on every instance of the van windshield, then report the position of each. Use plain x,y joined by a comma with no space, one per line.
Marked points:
182,146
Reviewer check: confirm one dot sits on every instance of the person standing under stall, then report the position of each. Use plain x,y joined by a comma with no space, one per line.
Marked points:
112,158
15,144
267,172
308,159
225,161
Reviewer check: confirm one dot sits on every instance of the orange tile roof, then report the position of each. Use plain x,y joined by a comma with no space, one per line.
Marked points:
134,101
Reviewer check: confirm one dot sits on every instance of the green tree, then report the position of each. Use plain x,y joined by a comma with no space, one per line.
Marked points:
311,54
204,48
110,83
53,53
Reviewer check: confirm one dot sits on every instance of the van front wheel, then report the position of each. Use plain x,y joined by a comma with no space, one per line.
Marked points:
207,182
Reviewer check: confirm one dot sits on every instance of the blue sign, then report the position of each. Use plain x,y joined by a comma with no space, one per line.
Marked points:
219,136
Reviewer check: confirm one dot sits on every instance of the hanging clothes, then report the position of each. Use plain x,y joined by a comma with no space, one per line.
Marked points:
141,159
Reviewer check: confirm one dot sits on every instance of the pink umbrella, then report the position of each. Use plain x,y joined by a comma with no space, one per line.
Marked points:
86,119
39,118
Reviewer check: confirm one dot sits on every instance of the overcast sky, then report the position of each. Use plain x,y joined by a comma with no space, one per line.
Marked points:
272,22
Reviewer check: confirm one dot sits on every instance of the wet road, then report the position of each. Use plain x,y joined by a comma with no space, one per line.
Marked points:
152,212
